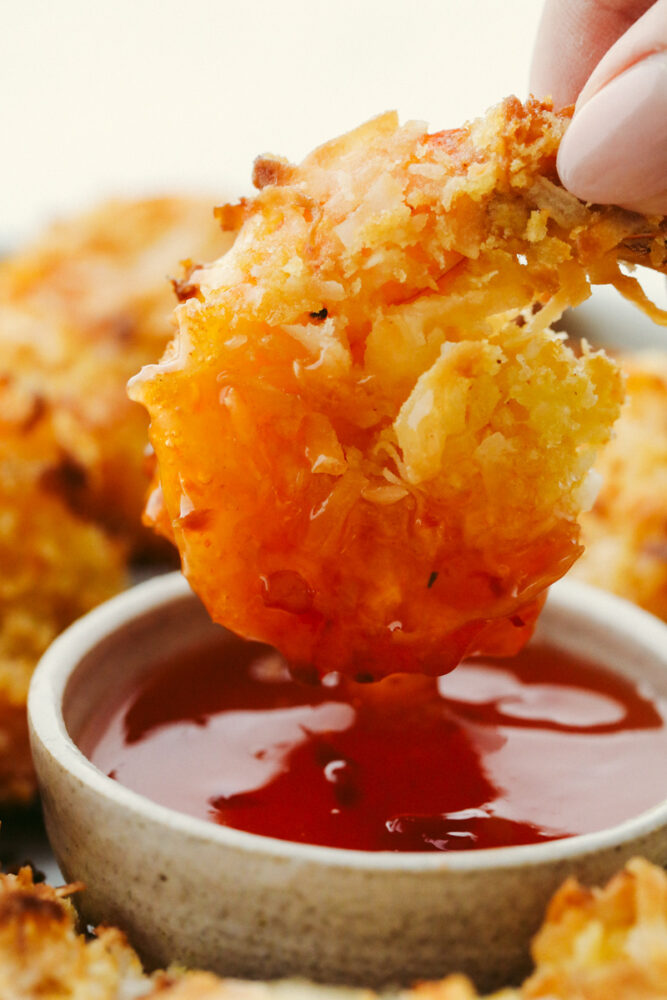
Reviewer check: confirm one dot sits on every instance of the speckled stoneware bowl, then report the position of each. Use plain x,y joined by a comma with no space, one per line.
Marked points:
190,891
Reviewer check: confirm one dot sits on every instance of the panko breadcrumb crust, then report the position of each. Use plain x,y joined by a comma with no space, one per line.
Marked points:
625,534
372,448
80,310
595,944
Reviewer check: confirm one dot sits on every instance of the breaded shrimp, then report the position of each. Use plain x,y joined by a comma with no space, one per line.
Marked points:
79,311
625,533
372,449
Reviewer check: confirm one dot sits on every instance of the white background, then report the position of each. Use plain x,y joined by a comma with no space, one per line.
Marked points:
145,96
139,96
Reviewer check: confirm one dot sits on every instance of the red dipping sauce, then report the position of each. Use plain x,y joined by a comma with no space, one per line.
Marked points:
496,753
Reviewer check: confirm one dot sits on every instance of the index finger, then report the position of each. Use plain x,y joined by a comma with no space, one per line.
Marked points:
572,37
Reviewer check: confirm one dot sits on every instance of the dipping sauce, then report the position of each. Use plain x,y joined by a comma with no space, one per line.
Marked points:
496,753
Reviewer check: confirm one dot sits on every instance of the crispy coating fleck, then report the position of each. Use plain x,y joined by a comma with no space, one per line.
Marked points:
372,448
595,944
79,311
625,533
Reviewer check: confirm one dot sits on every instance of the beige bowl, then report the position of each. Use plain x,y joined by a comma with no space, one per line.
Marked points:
190,891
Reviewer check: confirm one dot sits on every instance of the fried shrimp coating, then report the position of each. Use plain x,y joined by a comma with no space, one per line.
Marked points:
601,943
372,448
54,566
80,311
595,944
42,957
625,533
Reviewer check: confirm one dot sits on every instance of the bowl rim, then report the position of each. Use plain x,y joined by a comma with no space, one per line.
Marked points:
47,727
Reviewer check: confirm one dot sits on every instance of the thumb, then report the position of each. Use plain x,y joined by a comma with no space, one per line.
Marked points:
615,150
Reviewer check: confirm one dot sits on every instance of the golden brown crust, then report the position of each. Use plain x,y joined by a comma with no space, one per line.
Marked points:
626,532
54,567
79,311
363,395
42,957
596,944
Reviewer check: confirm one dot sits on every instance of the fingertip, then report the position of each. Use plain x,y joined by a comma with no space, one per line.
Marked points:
574,35
550,71
615,150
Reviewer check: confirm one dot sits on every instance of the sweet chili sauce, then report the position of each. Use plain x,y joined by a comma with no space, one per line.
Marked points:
497,753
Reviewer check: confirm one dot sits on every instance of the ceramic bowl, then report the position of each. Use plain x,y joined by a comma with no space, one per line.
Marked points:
243,905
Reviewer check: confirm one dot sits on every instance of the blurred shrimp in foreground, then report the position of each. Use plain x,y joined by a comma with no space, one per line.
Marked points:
594,944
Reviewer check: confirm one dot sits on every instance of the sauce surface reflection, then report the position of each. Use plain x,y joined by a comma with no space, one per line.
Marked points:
496,753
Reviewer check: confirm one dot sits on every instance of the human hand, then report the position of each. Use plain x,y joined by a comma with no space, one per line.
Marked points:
610,56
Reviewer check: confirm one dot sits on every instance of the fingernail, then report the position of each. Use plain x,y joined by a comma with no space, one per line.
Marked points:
615,150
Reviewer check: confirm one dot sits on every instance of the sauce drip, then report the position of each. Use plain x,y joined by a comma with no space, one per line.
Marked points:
542,746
